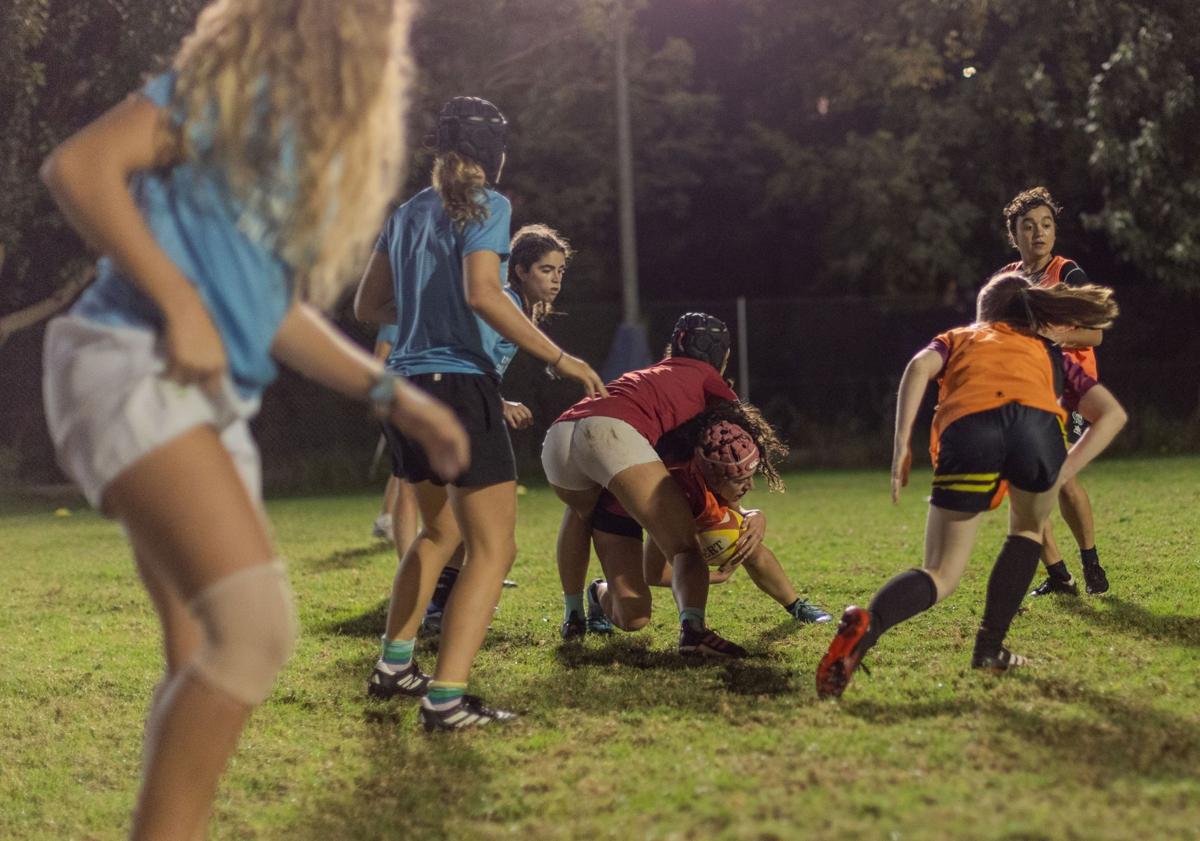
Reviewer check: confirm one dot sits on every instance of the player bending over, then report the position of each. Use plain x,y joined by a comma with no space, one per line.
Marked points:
715,470
608,444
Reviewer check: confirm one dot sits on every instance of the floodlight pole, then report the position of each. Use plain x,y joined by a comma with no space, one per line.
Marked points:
628,230
629,350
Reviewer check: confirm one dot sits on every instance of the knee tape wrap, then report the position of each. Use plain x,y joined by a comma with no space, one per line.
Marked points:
250,629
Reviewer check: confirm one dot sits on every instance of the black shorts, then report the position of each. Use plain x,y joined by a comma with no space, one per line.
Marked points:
1023,446
611,522
475,401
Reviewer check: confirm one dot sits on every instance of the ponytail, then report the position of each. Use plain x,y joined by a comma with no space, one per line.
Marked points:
460,182
1009,298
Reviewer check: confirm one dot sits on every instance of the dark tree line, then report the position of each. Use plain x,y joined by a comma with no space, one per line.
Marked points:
785,145
784,148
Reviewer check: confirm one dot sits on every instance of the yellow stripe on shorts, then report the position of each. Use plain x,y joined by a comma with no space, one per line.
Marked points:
966,477
979,489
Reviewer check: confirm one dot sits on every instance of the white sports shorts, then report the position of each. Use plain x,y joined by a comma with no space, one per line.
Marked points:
579,455
108,404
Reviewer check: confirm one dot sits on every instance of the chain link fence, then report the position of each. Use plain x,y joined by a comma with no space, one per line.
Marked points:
823,369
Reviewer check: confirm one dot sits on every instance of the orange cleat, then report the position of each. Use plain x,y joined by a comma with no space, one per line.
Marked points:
843,656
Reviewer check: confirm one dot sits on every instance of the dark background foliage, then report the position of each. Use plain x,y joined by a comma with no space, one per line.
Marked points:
842,165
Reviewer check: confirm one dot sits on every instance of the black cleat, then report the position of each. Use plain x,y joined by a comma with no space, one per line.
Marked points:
1000,662
469,712
409,682
1053,585
707,643
1094,579
573,628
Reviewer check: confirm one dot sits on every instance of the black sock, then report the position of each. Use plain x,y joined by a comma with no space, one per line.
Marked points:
1059,572
445,584
1010,578
1089,556
906,595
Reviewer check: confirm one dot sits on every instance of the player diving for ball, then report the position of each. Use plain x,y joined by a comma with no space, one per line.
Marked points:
713,459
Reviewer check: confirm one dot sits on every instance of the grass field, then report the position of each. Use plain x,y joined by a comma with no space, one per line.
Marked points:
620,738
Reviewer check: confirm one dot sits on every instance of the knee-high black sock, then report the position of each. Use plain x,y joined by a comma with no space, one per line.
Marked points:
1010,578
445,583
906,595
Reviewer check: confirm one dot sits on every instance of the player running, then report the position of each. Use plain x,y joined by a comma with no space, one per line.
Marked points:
998,420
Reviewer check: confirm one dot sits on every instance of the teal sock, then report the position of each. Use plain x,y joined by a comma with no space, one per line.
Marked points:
572,603
398,653
694,616
443,694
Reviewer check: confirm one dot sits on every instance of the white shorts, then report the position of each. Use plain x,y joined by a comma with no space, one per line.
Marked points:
579,455
108,404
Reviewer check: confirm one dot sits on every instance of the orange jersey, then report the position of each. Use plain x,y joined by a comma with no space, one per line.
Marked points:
991,364
707,507
1052,275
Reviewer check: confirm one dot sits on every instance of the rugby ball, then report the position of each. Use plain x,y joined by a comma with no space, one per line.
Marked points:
718,542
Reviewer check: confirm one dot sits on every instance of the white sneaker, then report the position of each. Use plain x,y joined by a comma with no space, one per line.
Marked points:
382,527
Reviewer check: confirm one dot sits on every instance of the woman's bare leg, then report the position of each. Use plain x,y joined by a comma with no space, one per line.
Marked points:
1051,554
1011,576
1076,507
182,637
573,551
767,574
487,518
422,561
194,727
623,595
654,499
949,538
405,519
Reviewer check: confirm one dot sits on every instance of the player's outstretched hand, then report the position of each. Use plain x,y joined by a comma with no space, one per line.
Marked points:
432,425
754,529
193,348
517,415
576,369
901,465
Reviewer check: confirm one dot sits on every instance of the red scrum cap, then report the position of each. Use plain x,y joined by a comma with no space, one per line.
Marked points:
726,451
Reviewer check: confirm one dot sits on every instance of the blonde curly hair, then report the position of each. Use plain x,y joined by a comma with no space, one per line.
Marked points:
301,105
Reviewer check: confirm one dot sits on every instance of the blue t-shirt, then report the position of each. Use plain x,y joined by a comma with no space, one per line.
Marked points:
387,333
438,332
194,218
504,350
